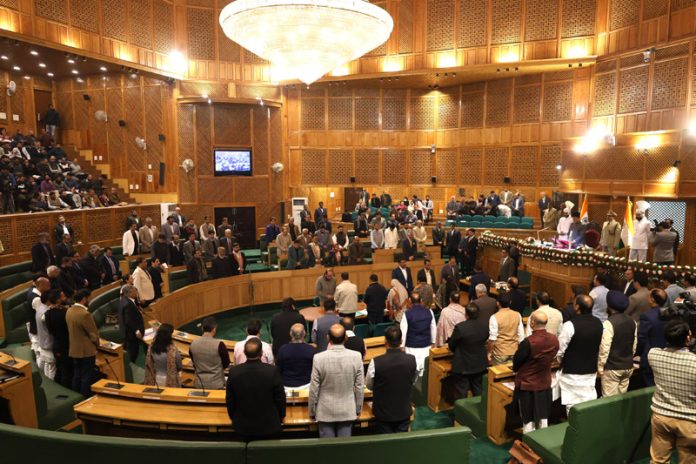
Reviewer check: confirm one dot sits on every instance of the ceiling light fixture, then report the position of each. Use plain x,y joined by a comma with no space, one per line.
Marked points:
34,52
49,74
27,77
42,65
71,61
4,57
103,68
16,68
306,38
75,71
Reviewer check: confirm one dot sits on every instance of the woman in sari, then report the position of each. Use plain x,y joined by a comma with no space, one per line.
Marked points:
397,300
163,360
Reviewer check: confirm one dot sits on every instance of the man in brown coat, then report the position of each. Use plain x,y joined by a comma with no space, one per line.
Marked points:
84,339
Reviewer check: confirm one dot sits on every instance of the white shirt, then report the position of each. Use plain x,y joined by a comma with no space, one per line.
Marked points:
493,329
504,211
564,226
599,309
428,277
370,375
641,235
391,238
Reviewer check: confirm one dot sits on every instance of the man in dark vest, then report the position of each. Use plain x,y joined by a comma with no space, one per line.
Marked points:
578,353
532,364
619,340
390,377
468,343
418,330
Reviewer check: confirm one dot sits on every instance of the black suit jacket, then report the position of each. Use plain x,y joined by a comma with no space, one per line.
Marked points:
478,278
222,267
452,240
355,343
255,399
408,282
58,232
176,256
468,343
156,277
92,270
408,248
63,250
160,250
421,276
518,300
129,319
41,257
280,327
109,276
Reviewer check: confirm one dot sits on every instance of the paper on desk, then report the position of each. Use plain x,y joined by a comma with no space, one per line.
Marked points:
361,313
509,385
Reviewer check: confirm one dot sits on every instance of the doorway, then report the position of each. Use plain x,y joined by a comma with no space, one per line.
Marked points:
42,98
350,198
243,221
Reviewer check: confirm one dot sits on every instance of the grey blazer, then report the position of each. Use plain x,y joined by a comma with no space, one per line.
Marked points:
638,303
664,246
337,384
507,270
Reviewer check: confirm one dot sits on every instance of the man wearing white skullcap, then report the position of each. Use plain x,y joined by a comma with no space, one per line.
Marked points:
641,233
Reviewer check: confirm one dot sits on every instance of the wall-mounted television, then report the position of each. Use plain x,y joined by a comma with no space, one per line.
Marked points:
232,161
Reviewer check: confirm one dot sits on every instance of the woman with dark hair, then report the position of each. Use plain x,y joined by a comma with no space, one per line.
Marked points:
163,360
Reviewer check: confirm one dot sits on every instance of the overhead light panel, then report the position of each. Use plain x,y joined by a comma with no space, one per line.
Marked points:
75,71
34,52
103,68
42,65
16,68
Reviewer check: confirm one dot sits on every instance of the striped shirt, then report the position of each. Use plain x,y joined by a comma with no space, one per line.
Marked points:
675,382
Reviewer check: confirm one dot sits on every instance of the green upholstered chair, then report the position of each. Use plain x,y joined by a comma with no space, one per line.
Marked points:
514,219
472,412
36,445
447,445
15,315
14,274
477,217
603,430
475,224
54,403
380,328
362,330
527,220
177,279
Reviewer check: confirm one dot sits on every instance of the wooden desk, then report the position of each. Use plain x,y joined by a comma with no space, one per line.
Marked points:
375,346
19,391
312,313
493,291
499,397
174,413
439,369
113,353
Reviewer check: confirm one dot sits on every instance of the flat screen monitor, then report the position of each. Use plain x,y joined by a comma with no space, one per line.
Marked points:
232,161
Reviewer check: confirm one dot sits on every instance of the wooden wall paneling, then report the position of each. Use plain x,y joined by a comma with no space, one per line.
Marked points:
527,104
440,25
340,166
498,103
670,83
114,19
140,22
186,140
422,111
393,167
394,113
367,166
260,141
550,158
421,165
116,134
605,94
558,101
98,129
314,167
507,17
472,21
163,34
220,190
55,10
340,113
133,109
447,166
232,126
496,165
201,28
154,125
203,142
405,26
84,15
472,109
367,114
633,90
524,165
448,108
541,20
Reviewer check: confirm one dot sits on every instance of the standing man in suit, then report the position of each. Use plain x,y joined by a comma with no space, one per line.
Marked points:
142,281
295,256
191,246
131,241
238,260
155,272
131,322
518,204
492,202
227,241
375,299
255,395
427,274
170,229
468,343
468,248
364,196
61,229
452,240
390,377
639,301
160,250
64,248
507,267
409,248
544,203
320,214
322,325
195,269
356,252
403,274
109,267
147,235
478,277
222,264
629,289
132,219
336,387
41,254
450,272
179,218
84,340
670,223
92,270
224,226
282,322
210,246
175,253
353,342
663,239
651,332
438,234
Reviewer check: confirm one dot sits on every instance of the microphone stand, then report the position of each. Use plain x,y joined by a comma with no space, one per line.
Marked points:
12,361
200,394
114,386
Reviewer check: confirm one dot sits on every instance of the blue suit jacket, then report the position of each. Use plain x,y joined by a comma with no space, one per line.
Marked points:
651,334
478,278
398,275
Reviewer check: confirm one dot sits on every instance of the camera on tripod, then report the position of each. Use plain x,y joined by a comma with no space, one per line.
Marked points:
684,309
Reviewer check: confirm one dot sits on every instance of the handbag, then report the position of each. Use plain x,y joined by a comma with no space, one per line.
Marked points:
521,453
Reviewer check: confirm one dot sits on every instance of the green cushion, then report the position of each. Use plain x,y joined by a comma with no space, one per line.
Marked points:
473,412
37,445
548,443
59,405
448,445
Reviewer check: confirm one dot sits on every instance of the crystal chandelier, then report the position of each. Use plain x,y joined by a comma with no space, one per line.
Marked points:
306,38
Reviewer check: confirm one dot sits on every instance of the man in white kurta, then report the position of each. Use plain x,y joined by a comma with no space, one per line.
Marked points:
641,237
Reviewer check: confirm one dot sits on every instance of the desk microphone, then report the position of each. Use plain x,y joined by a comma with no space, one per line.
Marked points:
157,388
12,361
203,394
114,386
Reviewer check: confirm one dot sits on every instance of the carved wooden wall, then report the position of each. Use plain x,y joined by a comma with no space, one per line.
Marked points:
203,127
145,105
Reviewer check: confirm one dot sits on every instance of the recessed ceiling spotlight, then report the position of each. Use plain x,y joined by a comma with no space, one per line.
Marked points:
71,61
4,57
16,68
79,79
34,52
27,77
75,71
103,68
49,74
42,65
